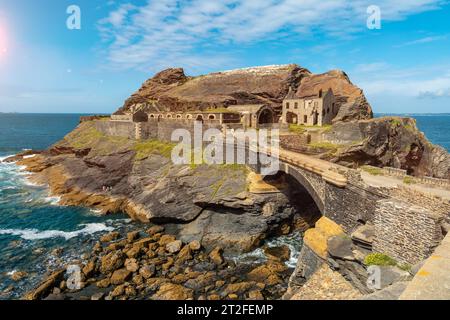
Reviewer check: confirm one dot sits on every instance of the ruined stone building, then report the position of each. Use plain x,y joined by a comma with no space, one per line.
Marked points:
311,110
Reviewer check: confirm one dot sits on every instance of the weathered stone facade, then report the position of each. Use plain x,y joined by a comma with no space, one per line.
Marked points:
407,233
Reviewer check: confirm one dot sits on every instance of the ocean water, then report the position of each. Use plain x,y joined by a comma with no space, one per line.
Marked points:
435,126
32,225
36,234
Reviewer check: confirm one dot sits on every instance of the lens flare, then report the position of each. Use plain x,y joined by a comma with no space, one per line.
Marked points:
3,44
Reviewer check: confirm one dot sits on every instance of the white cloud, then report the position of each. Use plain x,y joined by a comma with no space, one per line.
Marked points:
417,82
191,33
423,40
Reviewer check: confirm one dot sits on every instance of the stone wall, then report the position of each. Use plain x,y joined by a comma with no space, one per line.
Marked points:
117,128
405,232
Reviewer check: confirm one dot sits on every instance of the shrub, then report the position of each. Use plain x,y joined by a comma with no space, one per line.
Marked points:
379,259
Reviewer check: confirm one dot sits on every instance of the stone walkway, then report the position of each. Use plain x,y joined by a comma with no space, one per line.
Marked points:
326,284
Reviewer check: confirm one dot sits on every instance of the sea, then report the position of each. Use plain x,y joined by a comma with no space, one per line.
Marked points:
37,235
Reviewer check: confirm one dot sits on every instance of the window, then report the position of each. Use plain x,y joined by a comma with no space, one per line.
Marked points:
305,119
296,105
287,105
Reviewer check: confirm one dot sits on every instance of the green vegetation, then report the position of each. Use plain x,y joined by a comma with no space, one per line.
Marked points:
379,259
83,138
324,145
146,148
297,129
408,180
372,170
395,122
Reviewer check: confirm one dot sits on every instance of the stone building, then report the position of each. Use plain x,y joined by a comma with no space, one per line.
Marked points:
311,110
254,115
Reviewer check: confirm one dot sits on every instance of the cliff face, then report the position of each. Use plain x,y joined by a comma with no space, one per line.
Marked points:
172,90
352,103
205,203
394,142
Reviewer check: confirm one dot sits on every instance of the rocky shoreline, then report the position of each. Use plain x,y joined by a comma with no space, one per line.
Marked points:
155,265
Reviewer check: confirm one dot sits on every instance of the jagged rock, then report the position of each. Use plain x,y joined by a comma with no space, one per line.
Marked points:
132,236
89,269
120,276
97,296
268,273
340,247
216,256
104,283
112,261
174,91
364,235
184,255
154,230
170,291
147,271
255,295
174,246
46,286
388,142
195,245
132,265
18,275
281,253
110,237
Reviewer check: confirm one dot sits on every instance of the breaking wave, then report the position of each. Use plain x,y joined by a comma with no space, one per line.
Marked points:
34,234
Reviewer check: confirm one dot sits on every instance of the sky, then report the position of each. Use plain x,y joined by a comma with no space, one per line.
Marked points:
403,67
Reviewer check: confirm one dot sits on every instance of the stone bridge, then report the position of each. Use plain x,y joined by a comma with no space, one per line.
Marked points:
407,231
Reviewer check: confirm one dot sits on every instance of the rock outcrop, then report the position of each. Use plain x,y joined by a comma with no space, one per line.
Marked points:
172,90
350,99
203,203
388,142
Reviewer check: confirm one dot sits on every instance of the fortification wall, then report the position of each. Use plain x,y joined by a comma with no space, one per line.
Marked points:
405,232
117,128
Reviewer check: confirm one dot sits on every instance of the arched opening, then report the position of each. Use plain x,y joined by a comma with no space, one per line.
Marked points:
291,118
265,116
303,203
212,117
152,116
199,118
179,116
169,116
189,116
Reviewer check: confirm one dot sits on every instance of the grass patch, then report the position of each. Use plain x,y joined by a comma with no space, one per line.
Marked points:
372,170
84,138
297,129
324,145
146,148
379,259
408,180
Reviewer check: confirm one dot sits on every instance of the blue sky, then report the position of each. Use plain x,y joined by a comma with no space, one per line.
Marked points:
403,68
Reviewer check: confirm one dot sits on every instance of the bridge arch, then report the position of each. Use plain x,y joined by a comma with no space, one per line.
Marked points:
312,184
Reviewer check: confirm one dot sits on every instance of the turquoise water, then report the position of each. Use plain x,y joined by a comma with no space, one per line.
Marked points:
32,226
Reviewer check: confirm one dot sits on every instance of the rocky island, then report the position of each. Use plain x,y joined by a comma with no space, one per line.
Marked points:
360,192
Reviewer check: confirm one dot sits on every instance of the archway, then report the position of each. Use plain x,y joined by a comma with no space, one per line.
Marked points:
265,116
300,197
199,118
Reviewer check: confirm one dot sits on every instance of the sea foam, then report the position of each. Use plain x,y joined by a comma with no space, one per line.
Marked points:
34,234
